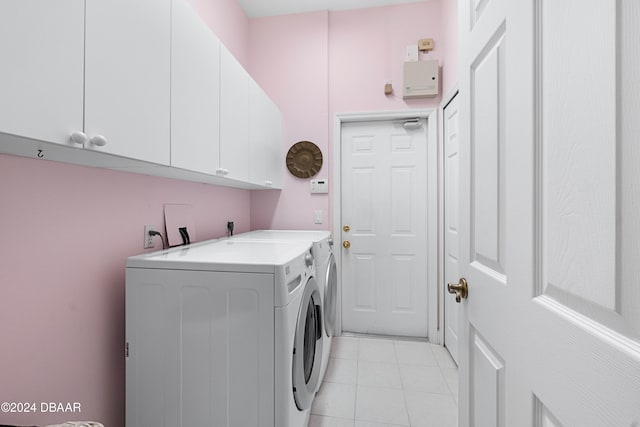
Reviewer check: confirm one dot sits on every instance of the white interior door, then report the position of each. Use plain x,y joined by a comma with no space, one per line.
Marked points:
384,204
451,227
549,334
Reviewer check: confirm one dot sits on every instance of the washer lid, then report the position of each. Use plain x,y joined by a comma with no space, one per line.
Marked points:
224,255
312,235
321,239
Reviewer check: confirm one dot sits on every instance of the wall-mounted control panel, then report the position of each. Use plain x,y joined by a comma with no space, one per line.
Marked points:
420,79
319,186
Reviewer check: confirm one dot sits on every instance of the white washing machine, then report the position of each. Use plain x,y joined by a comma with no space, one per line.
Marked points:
325,270
223,333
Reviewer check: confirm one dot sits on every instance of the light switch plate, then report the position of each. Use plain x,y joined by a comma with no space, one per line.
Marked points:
412,53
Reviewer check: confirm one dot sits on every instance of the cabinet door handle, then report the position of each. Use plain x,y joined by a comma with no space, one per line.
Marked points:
268,183
222,171
99,140
78,137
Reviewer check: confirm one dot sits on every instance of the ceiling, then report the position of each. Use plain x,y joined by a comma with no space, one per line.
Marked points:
259,8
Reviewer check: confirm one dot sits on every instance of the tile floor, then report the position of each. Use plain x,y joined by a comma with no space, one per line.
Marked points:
380,382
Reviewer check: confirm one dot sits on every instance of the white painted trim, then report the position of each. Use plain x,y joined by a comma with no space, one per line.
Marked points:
432,199
439,336
446,100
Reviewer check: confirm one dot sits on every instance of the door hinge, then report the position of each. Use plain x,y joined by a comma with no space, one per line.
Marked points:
126,349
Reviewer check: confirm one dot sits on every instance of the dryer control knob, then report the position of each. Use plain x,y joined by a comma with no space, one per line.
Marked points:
308,259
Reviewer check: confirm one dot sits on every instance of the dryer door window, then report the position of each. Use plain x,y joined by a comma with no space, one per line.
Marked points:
307,350
330,293
310,338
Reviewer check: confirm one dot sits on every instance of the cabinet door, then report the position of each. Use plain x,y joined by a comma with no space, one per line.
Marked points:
41,77
234,118
275,156
127,77
265,139
188,332
195,92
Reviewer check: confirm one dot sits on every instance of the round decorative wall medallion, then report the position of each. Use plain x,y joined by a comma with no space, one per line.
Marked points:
304,159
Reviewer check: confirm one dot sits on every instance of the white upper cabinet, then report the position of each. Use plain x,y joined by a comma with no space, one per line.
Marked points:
234,118
195,92
127,77
265,139
41,76
144,80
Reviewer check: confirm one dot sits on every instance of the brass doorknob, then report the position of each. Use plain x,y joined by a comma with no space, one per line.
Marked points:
346,228
346,244
460,289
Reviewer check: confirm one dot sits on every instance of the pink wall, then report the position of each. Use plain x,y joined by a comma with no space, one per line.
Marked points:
317,64
367,49
67,231
450,42
229,22
291,65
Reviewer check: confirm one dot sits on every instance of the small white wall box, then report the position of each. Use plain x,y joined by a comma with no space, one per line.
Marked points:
412,53
420,79
319,186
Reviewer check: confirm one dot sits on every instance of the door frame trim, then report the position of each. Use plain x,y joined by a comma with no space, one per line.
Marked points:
441,287
430,114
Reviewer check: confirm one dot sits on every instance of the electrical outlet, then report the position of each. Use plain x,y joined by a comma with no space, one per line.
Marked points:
148,239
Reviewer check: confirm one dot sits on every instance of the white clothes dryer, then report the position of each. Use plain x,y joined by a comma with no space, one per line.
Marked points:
325,270
223,333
